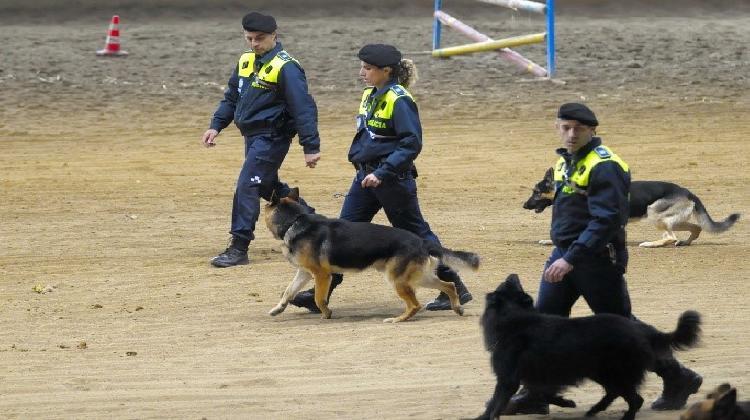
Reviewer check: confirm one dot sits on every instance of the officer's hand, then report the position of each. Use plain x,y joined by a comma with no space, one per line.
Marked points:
312,159
557,270
209,137
370,181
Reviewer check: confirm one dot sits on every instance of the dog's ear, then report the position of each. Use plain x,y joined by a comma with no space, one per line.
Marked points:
294,194
491,299
514,282
275,198
526,301
729,398
724,406
719,391
723,388
511,283
549,175
512,288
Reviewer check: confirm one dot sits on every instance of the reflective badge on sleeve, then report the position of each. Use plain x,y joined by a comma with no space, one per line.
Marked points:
602,152
398,90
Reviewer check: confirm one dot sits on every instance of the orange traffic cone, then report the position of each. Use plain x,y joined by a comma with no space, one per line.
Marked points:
112,45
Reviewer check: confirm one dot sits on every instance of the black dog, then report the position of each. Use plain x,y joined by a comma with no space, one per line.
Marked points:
546,353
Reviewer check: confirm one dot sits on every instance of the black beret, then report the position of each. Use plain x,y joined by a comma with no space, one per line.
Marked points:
578,112
381,55
255,21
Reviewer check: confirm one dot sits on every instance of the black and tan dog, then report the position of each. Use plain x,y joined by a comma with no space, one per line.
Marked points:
319,246
720,404
668,206
546,352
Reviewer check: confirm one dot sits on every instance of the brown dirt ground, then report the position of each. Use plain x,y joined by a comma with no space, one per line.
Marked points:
110,205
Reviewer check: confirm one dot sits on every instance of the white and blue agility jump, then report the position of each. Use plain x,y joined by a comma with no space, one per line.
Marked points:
502,46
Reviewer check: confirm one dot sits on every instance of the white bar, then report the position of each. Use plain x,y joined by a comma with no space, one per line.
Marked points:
505,53
529,6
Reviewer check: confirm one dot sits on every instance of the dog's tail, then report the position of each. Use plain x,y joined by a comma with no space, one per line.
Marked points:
705,220
454,259
685,336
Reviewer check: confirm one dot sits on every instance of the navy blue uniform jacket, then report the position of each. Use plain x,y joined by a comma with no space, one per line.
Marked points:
395,155
583,225
285,111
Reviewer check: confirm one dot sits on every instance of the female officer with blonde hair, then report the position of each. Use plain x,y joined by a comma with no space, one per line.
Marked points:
387,141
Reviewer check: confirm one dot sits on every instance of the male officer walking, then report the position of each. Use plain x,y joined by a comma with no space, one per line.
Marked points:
268,100
589,215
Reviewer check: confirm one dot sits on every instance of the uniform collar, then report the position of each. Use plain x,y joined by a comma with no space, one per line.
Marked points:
265,58
582,152
380,92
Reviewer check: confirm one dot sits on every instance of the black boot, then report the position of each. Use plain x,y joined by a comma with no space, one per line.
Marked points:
235,254
526,402
306,299
442,302
679,383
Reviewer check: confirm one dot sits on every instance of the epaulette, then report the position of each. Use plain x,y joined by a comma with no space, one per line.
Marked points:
284,56
602,152
398,90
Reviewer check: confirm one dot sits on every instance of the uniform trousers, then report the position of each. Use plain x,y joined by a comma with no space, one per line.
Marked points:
397,198
259,178
598,280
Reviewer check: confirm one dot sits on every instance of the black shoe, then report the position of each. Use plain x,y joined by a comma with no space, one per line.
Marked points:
524,402
677,390
442,302
230,257
306,299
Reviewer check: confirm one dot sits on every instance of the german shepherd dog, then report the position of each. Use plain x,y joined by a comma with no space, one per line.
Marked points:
668,206
546,353
319,246
720,404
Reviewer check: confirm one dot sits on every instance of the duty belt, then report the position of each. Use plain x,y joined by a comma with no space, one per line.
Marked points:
367,167
370,167
609,250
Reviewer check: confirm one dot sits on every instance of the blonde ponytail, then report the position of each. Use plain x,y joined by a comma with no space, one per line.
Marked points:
407,73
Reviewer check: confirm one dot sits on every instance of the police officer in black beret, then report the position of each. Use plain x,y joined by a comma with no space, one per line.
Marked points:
268,100
590,211
387,141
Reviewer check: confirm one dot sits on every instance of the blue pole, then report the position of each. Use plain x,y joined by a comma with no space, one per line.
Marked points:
550,38
436,27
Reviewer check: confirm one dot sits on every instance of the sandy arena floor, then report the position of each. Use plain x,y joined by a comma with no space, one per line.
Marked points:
111,210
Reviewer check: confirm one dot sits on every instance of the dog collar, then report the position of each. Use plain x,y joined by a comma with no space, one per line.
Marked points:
283,231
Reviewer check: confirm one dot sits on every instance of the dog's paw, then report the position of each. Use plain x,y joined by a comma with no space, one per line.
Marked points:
390,320
459,310
682,243
326,315
650,245
277,310
562,402
591,413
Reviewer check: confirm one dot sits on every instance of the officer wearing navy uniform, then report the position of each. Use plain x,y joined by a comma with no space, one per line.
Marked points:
268,100
590,211
387,141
